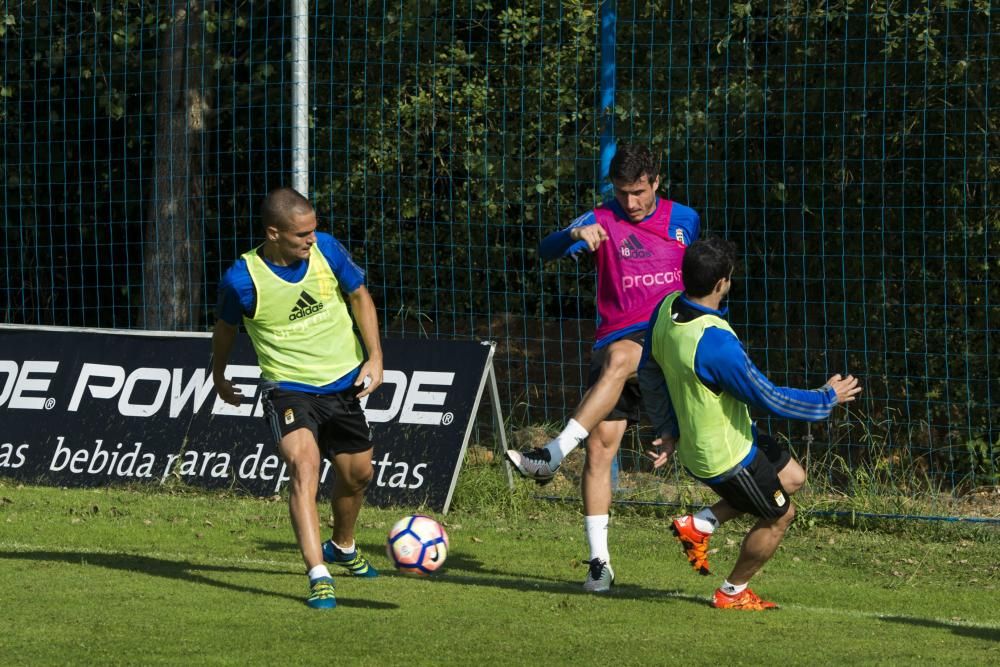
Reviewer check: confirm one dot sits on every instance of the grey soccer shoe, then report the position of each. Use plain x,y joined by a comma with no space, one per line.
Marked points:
600,576
533,464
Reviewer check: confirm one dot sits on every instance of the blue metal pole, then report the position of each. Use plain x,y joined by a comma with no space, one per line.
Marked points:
606,112
609,18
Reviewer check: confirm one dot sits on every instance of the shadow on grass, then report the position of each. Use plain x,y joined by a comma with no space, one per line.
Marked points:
989,634
538,584
177,570
465,570
279,547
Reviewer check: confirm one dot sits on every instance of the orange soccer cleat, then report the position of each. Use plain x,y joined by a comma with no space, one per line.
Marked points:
745,601
694,541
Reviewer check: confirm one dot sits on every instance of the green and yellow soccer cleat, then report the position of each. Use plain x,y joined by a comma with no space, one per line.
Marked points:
321,594
355,564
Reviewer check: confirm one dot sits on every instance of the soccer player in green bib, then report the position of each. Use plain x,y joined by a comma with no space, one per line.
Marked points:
697,382
292,294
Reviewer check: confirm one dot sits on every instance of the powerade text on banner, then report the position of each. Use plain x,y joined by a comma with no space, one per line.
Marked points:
92,407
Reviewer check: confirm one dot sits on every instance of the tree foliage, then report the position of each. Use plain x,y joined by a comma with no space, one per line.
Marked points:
848,147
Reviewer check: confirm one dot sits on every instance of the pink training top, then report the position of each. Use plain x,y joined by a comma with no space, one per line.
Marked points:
637,266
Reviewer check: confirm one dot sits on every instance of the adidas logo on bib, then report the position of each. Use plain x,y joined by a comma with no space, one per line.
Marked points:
632,248
304,307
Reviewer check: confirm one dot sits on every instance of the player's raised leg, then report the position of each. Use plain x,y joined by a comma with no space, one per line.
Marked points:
618,362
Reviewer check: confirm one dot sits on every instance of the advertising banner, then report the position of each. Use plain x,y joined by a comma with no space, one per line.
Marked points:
89,407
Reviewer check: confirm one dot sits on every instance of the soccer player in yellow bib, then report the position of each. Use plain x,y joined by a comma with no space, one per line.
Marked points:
697,382
289,292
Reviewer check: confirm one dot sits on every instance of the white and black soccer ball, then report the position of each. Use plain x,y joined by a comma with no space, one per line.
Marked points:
417,544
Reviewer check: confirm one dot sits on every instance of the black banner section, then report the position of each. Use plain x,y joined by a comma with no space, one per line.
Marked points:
88,407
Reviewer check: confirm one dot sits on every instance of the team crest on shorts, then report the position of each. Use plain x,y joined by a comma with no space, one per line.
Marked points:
779,498
289,416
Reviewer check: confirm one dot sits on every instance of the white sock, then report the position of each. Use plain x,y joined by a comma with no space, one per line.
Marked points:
346,550
596,527
705,521
732,589
318,572
566,441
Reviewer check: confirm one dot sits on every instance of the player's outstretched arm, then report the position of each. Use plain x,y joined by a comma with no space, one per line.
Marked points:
846,388
223,336
593,235
721,362
571,240
363,309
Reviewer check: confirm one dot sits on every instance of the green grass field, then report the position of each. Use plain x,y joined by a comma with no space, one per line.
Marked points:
118,576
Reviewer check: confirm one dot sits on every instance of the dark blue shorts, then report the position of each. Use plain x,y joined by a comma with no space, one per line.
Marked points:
630,400
755,487
337,421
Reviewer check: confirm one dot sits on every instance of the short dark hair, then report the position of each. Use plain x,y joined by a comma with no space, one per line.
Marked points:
633,161
706,262
280,205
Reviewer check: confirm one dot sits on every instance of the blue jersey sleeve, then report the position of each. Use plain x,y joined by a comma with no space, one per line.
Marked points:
349,275
653,387
561,244
720,361
685,225
236,295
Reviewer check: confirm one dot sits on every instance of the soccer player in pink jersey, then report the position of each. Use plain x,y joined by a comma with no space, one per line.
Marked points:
637,241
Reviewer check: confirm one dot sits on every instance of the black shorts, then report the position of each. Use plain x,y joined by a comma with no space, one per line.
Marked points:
755,488
337,421
630,400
